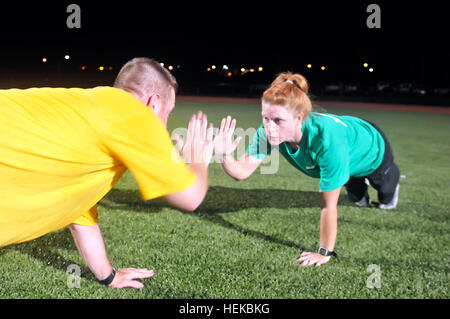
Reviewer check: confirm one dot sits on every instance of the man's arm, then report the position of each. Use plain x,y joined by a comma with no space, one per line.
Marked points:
190,198
328,228
90,244
197,153
89,239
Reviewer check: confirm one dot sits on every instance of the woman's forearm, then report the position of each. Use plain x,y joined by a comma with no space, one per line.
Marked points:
239,169
232,167
328,228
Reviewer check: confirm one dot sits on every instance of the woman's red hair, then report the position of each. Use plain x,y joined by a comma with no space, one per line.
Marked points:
289,90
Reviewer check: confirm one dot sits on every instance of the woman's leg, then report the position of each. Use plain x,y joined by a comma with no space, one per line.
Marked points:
357,191
385,179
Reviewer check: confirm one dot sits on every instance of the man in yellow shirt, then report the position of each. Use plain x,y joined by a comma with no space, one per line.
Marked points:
62,150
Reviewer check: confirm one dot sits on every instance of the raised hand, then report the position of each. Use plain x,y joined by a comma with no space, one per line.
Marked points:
198,147
223,142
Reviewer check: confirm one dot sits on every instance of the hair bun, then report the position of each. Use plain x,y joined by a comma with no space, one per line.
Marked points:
300,82
293,78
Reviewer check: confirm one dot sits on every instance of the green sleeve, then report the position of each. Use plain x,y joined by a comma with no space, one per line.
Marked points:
259,146
333,160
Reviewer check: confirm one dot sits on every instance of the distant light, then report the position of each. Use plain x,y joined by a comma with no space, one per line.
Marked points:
208,69
83,68
229,74
67,57
225,67
162,64
110,68
242,69
309,66
252,70
322,68
101,68
371,70
365,64
260,69
213,67
170,67
44,60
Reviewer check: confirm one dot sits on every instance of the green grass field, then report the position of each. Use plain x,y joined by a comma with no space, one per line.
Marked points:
244,240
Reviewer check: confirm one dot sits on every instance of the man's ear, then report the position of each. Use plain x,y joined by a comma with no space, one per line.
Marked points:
154,101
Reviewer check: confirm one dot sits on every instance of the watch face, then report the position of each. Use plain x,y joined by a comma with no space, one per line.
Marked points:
323,251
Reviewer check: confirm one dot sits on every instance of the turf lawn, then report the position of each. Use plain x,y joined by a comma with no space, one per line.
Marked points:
244,240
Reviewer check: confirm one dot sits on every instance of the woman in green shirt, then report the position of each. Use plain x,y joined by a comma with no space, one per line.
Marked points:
339,150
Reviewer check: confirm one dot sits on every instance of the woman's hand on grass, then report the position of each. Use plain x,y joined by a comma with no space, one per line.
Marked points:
310,259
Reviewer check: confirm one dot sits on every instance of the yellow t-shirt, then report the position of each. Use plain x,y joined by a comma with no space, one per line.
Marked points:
62,150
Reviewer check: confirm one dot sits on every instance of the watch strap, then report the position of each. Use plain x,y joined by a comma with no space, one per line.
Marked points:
325,252
108,280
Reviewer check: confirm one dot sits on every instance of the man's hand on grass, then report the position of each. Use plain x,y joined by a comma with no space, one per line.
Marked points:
310,259
126,277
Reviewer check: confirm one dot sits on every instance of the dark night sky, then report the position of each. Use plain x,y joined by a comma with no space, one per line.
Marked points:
411,44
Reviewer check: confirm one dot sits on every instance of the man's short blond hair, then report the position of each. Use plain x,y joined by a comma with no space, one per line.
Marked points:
144,77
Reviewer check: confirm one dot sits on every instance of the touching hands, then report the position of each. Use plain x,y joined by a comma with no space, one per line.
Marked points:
223,142
200,144
198,147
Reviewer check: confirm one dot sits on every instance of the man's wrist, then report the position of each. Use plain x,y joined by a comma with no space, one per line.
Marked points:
108,280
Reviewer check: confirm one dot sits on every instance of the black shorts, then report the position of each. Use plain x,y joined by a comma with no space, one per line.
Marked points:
384,179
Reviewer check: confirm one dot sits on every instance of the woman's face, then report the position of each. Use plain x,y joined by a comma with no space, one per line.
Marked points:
281,125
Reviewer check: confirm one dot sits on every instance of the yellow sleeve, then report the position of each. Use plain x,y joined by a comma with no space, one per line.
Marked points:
143,145
89,218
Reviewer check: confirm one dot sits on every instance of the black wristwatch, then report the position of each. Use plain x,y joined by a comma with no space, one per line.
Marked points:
325,252
108,279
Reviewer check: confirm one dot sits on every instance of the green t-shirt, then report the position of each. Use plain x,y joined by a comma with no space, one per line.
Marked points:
333,148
